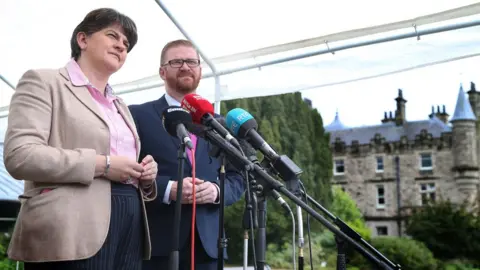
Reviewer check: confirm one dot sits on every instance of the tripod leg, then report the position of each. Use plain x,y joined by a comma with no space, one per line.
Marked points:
341,256
245,250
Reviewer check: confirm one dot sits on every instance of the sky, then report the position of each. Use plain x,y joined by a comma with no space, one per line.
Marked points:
36,35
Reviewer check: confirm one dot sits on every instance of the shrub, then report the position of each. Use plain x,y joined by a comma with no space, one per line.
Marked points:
409,253
450,231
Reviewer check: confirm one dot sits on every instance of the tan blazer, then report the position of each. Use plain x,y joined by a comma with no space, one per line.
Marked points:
54,132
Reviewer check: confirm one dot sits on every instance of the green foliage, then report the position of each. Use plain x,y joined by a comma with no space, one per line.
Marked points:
293,129
450,231
280,256
458,265
5,263
409,253
345,208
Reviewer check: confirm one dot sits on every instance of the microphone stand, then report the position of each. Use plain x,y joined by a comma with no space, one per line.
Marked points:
250,221
266,180
261,243
174,255
341,243
222,240
301,242
289,172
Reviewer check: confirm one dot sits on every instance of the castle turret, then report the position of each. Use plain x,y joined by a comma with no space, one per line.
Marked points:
335,125
464,148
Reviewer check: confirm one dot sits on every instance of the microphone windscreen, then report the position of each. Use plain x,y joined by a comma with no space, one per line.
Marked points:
247,148
239,122
174,115
197,129
221,120
197,106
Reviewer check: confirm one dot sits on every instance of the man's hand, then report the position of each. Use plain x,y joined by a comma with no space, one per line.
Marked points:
205,192
187,190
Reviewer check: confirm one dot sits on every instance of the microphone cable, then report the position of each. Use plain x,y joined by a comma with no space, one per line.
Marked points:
194,209
250,210
308,224
252,232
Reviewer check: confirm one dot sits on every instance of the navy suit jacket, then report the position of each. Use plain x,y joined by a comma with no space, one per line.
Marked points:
157,142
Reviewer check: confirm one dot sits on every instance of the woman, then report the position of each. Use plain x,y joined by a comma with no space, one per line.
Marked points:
75,145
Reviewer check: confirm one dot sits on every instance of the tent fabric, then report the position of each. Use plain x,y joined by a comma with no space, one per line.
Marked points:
234,34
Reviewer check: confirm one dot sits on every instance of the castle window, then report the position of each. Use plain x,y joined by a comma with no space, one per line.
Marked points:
426,161
382,230
380,197
427,192
339,167
379,164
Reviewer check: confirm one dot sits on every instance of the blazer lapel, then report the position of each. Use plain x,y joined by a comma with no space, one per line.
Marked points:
81,92
201,144
160,105
125,113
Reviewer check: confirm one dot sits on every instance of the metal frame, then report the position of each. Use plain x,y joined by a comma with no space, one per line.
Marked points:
330,49
205,58
7,82
216,74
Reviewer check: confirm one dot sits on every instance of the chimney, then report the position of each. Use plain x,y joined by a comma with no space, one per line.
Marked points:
433,113
385,118
444,115
308,101
474,99
400,113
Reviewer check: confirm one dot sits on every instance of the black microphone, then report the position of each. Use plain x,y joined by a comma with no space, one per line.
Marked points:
251,155
174,119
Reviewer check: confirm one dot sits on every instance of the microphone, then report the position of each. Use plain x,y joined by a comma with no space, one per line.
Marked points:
174,119
244,126
202,113
251,155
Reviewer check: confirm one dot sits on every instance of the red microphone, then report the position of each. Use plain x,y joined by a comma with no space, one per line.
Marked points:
198,107
202,113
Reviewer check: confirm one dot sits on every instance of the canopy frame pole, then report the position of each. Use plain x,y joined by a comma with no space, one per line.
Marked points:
202,54
330,49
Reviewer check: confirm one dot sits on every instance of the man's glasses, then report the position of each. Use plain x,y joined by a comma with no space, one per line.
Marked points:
176,63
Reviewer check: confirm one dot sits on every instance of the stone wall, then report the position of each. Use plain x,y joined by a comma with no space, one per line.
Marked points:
361,180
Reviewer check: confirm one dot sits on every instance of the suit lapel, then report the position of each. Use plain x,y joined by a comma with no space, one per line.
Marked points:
160,105
82,94
201,144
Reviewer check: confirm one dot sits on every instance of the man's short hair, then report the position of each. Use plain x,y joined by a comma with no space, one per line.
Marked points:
174,44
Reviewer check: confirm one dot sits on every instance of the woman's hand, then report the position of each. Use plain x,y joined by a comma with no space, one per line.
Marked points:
121,168
150,169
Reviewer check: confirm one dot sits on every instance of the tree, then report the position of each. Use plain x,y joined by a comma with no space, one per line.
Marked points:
450,231
294,129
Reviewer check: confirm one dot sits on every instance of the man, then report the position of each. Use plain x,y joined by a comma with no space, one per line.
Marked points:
180,69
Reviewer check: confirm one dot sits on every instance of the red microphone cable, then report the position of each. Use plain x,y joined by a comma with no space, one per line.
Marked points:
194,209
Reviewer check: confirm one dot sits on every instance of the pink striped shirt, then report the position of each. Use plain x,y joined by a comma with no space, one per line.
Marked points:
122,141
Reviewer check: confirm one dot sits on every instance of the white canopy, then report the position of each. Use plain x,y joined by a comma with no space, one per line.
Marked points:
252,44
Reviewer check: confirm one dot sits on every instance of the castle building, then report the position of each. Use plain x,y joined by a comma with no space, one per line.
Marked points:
398,164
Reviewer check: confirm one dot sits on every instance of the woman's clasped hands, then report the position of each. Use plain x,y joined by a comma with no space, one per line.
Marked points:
123,169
